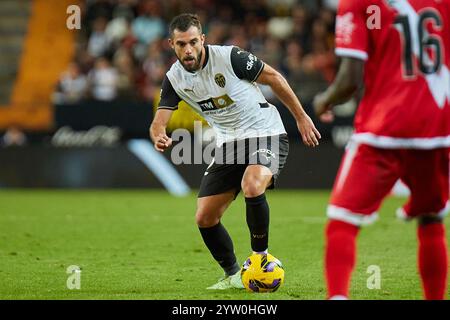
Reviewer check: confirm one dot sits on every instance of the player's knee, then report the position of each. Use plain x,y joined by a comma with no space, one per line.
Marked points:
252,187
205,219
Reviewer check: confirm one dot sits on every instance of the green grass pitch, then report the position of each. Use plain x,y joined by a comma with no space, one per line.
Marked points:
145,245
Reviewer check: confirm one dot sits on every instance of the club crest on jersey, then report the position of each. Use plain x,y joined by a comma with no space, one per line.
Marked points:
216,103
220,80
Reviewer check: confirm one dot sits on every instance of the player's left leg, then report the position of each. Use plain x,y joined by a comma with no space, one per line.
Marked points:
215,236
266,158
219,187
255,181
427,176
432,257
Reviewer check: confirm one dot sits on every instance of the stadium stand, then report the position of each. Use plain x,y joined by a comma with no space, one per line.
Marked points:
47,49
13,26
79,93
293,36
120,55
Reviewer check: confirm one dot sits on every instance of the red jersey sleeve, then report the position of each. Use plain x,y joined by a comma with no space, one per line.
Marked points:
351,29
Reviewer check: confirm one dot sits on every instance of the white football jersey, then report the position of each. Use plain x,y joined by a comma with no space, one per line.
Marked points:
223,91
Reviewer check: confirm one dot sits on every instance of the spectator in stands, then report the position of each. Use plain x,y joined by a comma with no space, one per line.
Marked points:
125,9
310,5
99,42
120,26
217,32
124,64
331,4
273,54
154,70
328,17
103,80
72,86
293,58
13,137
322,56
300,22
95,9
293,35
148,26
117,29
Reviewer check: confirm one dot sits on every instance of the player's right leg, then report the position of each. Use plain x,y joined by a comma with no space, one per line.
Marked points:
365,177
209,212
219,187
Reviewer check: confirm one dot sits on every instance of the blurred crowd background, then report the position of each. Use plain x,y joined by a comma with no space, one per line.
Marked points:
75,98
122,50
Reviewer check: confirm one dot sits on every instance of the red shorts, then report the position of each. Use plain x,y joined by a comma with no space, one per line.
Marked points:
367,174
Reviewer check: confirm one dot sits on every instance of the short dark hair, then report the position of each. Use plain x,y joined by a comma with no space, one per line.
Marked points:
183,22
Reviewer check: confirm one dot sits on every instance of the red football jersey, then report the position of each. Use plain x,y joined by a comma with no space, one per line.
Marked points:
406,46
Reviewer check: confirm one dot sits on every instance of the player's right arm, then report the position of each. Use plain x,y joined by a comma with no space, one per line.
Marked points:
248,67
167,105
348,80
158,127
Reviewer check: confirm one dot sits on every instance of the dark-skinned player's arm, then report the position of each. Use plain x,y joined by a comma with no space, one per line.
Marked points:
280,87
158,129
348,80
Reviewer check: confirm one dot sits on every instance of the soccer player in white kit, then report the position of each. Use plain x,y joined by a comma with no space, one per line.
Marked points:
219,83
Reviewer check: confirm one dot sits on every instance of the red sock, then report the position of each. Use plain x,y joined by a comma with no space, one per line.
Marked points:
432,260
340,256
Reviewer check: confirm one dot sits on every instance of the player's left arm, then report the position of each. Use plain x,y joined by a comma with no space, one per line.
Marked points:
348,80
248,67
281,88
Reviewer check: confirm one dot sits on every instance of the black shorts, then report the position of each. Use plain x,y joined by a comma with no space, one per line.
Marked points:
230,161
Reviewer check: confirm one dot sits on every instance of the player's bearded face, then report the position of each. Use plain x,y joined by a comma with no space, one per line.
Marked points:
192,63
188,47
